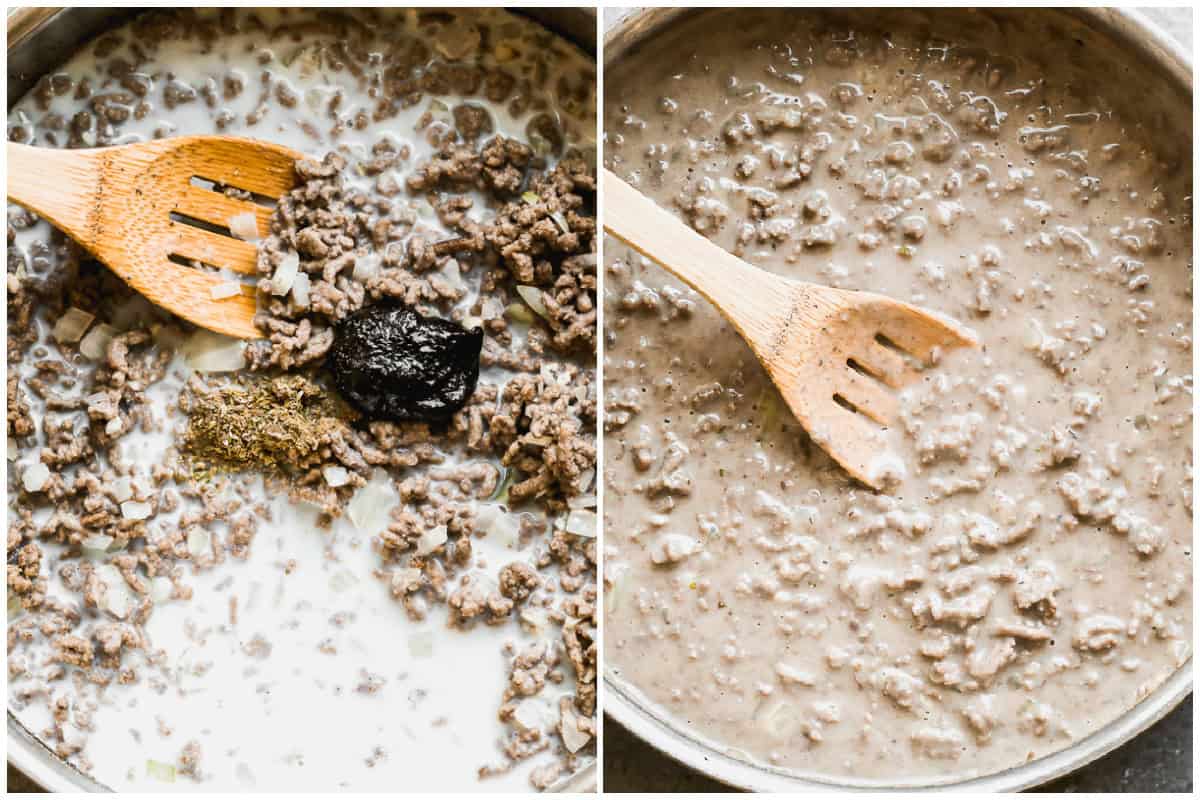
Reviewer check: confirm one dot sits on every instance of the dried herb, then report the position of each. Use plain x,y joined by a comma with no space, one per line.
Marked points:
270,425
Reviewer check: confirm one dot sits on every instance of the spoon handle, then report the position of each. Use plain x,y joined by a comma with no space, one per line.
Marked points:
61,186
752,299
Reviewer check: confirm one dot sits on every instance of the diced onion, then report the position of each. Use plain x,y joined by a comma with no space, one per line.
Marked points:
535,619
71,326
95,344
285,274
161,589
532,713
453,275
244,226
779,719
404,580
617,585
13,450
122,489
336,476
519,313
15,609
492,308
561,221
72,736
439,110
431,540
582,523
498,524
113,426
117,599
371,505
160,771
420,644
1033,335
501,494
581,501
531,197
199,543
206,351
574,738
300,289
35,477
135,510
96,543
533,298
223,291
365,267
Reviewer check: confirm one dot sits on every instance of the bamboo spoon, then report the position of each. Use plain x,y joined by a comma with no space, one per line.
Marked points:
137,209
836,356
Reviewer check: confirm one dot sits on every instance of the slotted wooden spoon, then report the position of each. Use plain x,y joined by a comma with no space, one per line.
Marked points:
836,356
136,208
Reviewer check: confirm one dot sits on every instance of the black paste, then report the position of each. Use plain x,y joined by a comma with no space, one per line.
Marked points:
392,363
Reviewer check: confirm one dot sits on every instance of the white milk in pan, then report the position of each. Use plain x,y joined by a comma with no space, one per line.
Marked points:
295,669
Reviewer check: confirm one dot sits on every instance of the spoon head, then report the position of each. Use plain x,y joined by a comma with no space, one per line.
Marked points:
841,376
177,217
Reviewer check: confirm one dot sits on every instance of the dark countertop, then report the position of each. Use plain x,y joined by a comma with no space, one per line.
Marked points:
1157,761
18,783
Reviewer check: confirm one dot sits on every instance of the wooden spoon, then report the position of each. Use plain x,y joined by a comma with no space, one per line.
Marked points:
148,210
836,356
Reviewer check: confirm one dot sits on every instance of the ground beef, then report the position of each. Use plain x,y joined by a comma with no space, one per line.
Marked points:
547,239
189,760
497,168
518,580
24,569
20,422
545,426
74,650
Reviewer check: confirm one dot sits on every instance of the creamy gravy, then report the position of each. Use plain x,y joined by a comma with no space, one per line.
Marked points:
1028,579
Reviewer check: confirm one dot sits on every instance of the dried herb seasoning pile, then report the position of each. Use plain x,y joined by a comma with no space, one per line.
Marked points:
268,425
